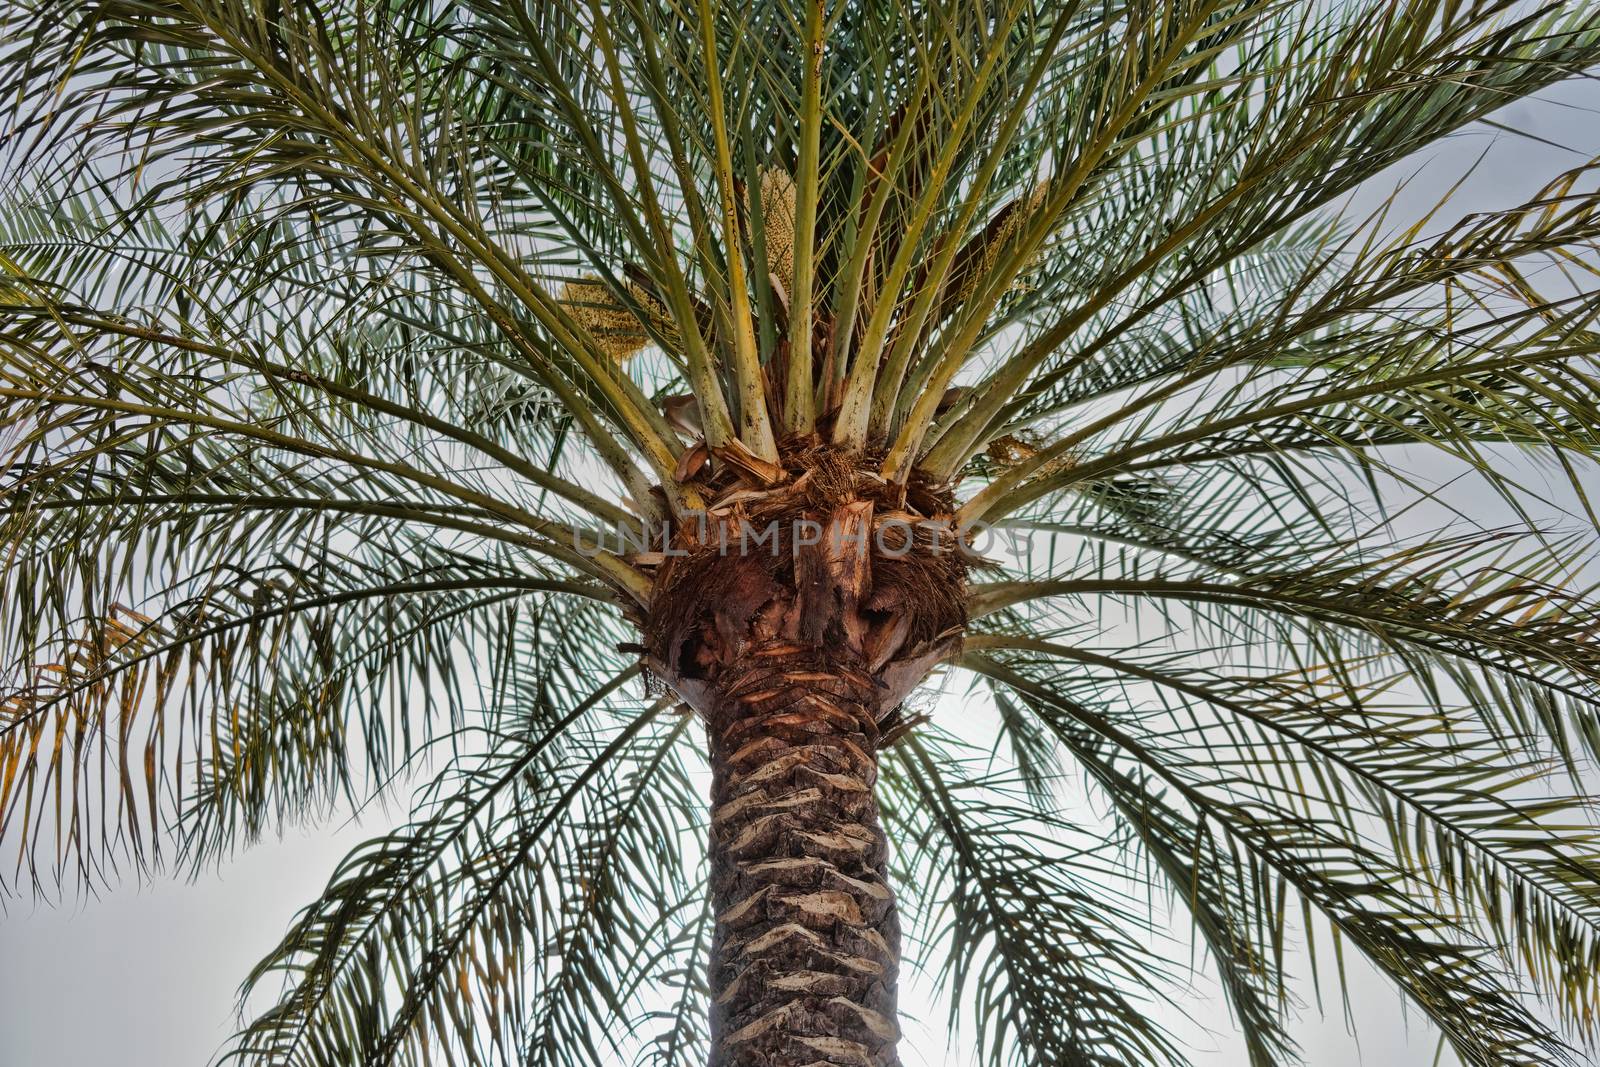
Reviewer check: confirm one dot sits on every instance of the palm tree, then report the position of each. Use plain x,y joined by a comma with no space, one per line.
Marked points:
392,390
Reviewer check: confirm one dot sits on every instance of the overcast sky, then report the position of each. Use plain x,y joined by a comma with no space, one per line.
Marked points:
145,976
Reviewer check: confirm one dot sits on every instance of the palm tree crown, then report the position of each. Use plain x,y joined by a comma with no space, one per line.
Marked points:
369,370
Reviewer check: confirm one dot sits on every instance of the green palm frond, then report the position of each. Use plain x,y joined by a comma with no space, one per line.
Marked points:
505,888
1015,905
1404,863
1229,895
331,332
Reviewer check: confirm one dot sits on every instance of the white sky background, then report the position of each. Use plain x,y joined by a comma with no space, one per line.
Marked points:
145,976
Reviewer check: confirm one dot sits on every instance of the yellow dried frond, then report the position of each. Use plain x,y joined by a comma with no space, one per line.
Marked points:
613,327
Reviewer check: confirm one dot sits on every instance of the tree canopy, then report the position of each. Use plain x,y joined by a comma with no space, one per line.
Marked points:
331,330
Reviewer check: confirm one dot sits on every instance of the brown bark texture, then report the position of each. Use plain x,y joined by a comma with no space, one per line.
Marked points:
797,650
806,948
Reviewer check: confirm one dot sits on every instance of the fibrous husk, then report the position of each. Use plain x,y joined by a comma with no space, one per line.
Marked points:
881,583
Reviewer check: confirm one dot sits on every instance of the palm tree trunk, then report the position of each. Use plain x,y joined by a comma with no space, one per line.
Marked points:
796,650
806,950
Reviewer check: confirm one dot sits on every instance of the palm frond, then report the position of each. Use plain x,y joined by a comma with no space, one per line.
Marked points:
334,334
